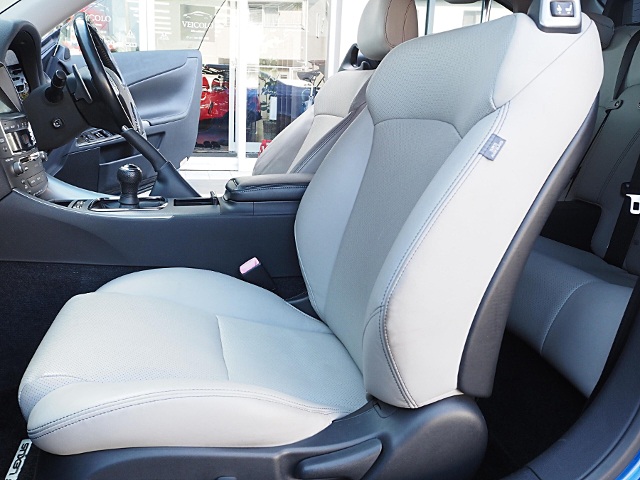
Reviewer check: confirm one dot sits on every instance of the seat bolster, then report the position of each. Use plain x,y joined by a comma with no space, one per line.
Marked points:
86,417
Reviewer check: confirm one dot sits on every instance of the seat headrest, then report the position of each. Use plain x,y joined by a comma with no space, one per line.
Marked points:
385,24
605,27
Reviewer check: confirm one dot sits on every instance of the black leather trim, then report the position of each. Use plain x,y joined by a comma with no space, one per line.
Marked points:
268,188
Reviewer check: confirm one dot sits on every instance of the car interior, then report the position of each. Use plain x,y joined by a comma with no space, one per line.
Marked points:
432,273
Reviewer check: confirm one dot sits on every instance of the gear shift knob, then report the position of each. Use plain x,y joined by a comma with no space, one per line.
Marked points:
129,177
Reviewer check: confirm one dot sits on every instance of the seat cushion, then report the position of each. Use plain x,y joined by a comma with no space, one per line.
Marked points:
184,357
568,306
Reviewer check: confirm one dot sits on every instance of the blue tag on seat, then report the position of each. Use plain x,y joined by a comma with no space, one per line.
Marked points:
492,148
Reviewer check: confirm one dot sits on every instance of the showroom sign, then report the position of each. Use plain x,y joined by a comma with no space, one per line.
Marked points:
195,21
99,15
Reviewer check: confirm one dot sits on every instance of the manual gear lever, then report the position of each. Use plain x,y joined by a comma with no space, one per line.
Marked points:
129,176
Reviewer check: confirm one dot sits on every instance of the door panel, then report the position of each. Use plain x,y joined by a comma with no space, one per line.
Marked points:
166,87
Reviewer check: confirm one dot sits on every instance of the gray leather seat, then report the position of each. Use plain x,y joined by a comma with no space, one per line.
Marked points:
214,362
569,302
303,145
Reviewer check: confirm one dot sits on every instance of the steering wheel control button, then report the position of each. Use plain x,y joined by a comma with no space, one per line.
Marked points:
55,92
562,9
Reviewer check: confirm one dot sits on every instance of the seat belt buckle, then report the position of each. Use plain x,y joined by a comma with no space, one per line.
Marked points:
634,198
634,205
253,271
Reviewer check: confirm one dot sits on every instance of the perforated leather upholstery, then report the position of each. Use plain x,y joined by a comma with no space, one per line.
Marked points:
202,353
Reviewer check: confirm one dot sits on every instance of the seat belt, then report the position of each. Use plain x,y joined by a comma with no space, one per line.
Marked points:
628,320
627,221
616,103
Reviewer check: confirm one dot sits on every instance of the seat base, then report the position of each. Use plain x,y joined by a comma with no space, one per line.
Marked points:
415,444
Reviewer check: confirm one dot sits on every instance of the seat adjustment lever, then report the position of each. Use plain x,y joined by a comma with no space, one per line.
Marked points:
351,463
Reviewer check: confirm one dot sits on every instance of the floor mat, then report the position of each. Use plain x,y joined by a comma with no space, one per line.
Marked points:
532,406
13,429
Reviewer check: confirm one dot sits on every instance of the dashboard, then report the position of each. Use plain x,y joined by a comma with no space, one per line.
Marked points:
17,75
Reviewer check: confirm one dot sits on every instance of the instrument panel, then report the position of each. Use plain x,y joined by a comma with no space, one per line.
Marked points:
19,155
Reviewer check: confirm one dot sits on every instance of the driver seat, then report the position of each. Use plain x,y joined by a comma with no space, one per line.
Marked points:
303,145
410,238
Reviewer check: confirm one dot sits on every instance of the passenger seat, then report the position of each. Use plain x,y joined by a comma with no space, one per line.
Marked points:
301,147
570,301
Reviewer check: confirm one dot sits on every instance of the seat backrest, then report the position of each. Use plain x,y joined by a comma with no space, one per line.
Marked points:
404,225
615,150
303,145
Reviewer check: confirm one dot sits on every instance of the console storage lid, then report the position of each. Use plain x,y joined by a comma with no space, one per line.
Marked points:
268,188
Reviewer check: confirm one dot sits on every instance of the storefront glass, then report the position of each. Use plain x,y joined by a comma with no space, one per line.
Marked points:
285,44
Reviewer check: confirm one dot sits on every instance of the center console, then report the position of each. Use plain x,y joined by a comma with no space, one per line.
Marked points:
21,160
255,217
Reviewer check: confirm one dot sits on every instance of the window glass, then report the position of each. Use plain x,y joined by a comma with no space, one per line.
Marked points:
286,64
498,11
130,26
421,6
448,16
286,56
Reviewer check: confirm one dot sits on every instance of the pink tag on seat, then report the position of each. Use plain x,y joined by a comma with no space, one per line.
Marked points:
249,265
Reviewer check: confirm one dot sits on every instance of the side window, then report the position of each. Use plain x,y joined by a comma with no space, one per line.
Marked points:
448,16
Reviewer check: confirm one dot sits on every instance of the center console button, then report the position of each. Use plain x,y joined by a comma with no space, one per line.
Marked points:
17,168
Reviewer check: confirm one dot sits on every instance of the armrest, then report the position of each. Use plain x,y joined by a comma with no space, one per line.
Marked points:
268,188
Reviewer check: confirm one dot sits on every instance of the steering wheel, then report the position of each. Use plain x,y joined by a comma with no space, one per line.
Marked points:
106,76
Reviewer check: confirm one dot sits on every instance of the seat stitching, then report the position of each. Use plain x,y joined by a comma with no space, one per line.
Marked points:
552,321
399,383
275,187
591,25
49,375
314,304
295,329
224,360
404,23
424,119
319,411
306,314
386,23
260,396
421,235
199,309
